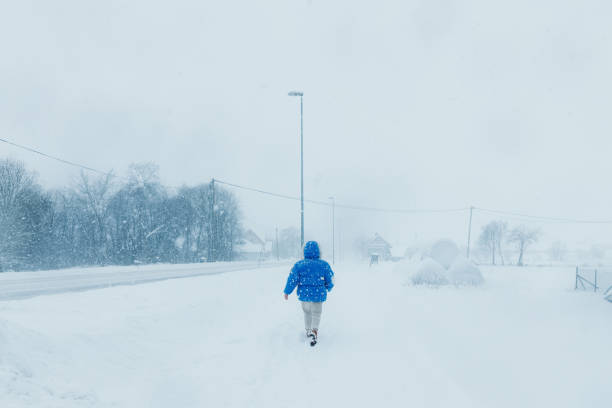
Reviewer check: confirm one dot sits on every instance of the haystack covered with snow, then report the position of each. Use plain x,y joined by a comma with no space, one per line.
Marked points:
464,272
429,272
444,252
444,265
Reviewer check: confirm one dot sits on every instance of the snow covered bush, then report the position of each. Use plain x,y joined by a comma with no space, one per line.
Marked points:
444,252
429,272
464,272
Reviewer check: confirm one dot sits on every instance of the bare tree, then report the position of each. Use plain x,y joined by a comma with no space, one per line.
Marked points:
136,213
95,197
95,223
492,237
502,232
15,181
523,236
487,240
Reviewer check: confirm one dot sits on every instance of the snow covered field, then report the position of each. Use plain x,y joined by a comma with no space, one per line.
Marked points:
523,339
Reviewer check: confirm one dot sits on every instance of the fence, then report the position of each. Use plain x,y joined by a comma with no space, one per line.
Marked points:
595,279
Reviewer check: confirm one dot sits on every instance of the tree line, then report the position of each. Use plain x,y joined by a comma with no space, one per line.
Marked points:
105,220
496,234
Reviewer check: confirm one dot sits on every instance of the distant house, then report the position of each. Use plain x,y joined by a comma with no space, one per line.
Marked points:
379,247
252,247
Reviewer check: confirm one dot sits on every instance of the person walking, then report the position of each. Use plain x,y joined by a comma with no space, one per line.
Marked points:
313,278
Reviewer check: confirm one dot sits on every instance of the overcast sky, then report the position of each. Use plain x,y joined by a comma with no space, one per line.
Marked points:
408,104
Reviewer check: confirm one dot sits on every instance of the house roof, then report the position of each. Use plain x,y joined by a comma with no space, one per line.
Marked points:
378,241
251,243
252,237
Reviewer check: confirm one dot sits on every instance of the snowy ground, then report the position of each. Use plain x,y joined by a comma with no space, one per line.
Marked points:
524,339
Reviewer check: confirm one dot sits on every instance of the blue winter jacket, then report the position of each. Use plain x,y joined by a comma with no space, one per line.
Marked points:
312,276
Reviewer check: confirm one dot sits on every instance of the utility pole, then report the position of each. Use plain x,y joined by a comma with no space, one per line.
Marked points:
469,233
212,238
301,95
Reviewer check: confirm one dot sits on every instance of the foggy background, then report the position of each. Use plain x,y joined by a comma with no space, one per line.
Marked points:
408,104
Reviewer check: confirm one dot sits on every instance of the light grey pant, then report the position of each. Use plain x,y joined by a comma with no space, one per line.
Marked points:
312,314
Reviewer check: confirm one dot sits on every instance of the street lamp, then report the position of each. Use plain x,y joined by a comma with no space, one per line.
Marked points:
301,95
333,229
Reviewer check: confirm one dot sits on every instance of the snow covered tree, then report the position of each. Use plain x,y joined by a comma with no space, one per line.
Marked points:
491,238
487,241
136,216
180,221
100,221
25,216
227,231
196,237
502,232
14,181
69,246
93,197
523,236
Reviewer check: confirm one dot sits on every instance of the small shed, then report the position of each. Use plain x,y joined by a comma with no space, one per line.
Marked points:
379,247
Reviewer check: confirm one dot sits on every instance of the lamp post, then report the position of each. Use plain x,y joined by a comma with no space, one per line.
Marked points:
301,95
333,229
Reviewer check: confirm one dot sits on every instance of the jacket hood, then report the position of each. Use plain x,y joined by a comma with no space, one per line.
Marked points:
311,250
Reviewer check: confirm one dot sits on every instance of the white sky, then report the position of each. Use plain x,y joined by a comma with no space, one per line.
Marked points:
408,104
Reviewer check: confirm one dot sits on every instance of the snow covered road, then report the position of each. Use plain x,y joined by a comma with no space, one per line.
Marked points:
18,285
524,339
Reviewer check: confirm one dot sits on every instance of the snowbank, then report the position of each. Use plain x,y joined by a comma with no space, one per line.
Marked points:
464,272
26,359
429,272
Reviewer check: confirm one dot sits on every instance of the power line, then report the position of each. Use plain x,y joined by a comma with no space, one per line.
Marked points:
403,210
55,158
544,218
346,206
256,190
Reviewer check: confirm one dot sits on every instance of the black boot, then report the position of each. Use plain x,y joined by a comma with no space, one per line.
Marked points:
313,335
